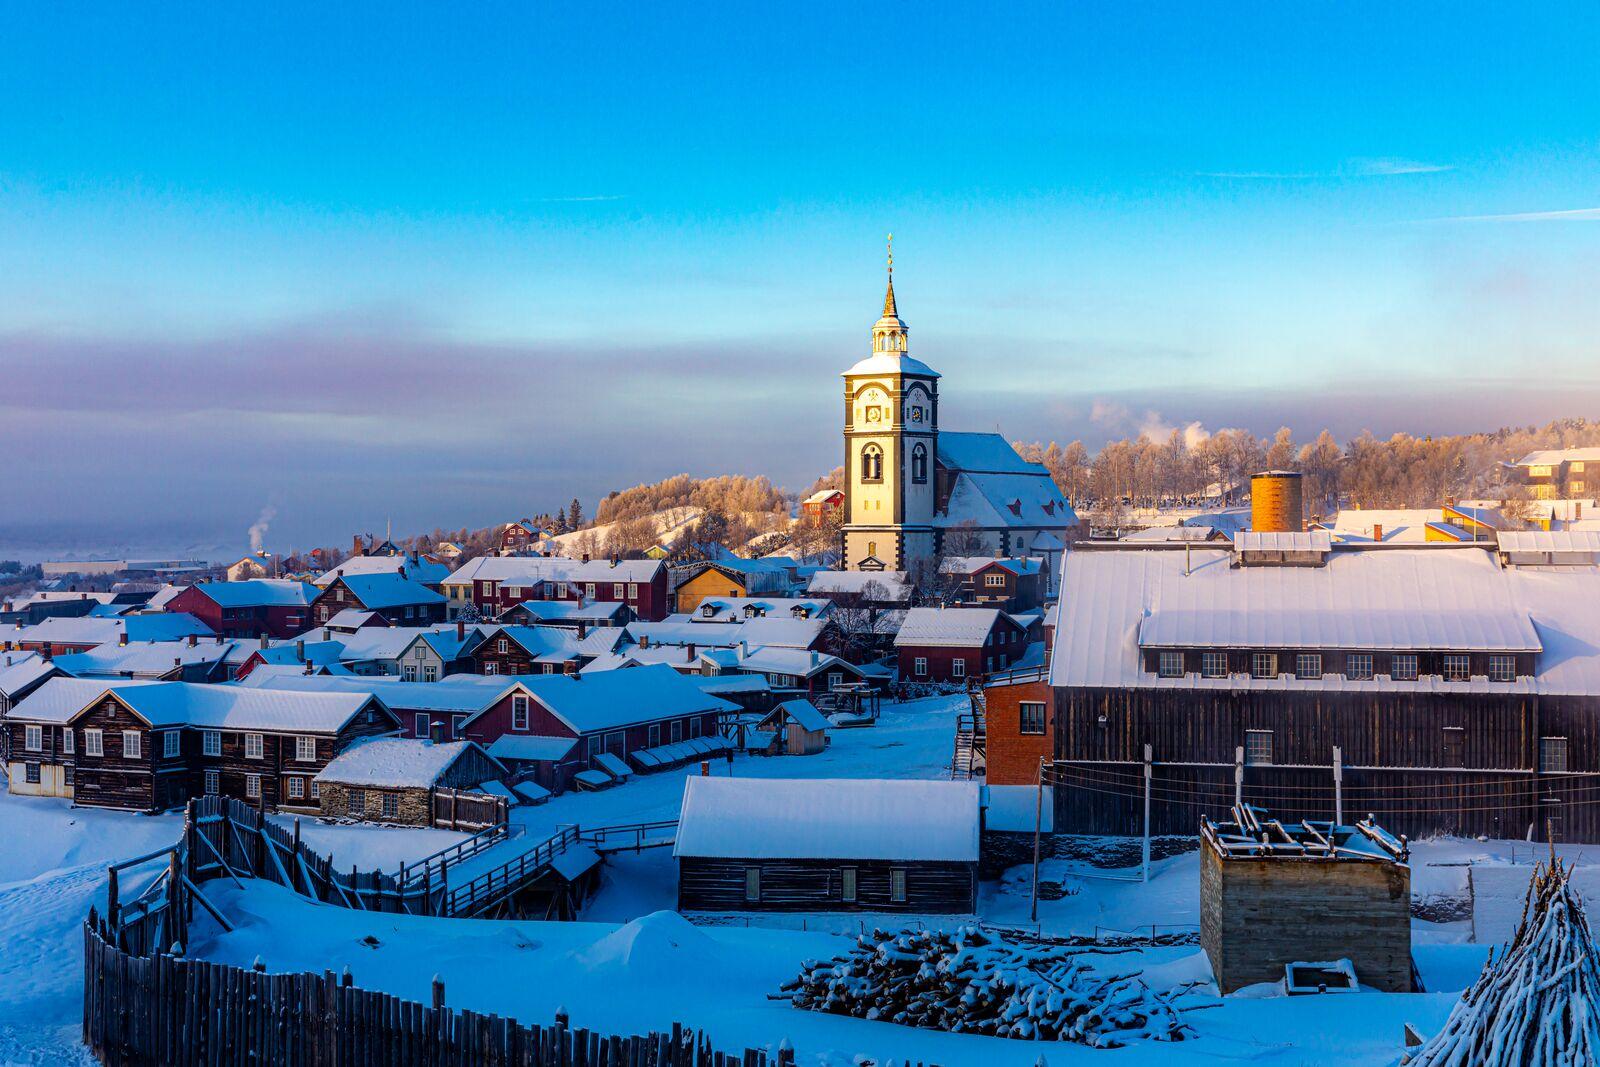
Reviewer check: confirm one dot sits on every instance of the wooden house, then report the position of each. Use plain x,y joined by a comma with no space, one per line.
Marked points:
399,600
1275,894
764,844
395,779
1009,584
56,635
516,650
960,645
278,608
491,584
739,578
1448,686
1559,472
148,746
798,728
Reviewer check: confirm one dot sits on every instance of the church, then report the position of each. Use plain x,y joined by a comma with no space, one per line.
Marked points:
914,492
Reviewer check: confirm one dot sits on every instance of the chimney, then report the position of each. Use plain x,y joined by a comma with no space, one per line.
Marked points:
300,649
436,731
1377,531
355,546
327,633
461,629
264,641
583,629
44,651
584,558
614,560
177,661
309,668
122,638
744,648
219,638
194,639
690,649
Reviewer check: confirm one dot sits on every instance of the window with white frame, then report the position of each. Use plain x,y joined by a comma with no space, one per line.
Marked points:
897,885
1169,665
1308,665
213,783
513,591
93,744
958,668
1552,755
835,679
633,590
919,666
1403,667
316,789
33,738
1263,665
519,712
501,645
994,581
1502,668
1258,746
171,743
419,652
588,591
254,748
430,672
132,744
1213,664
410,611
549,668
409,672
491,668
457,723
211,742
252,785
1456,668
1032,718
617,590
305,748
297,788
653,736
68,741
1358,666
675,731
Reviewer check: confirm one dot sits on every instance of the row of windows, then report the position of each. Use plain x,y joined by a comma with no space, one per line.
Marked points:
557,590
1552,750
847,884
356,804
872,464
958,666
305,748
1358,666
294,788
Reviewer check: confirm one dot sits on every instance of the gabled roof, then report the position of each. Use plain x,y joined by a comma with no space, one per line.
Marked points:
212,707
547,644
20,670
986,452
594,611
768,660
355,619
1551,457
376,591
396,762
416,568
259,592
895,583
135,658
948,627
733,609
1007,500
454,693
973,564
608,700
829,818
161,626
803,712
530,570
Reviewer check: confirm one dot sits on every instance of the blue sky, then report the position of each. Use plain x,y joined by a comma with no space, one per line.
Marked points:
449,265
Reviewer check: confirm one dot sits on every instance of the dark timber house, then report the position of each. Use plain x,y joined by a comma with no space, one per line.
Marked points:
1459,683
764,844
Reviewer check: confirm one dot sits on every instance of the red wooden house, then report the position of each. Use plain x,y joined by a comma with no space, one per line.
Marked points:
491,584
957,644
399,600
278,608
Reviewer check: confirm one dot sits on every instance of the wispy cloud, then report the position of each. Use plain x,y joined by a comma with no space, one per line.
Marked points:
1386,167
1578,214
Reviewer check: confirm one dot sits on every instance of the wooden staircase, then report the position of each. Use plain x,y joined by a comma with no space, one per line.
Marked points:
971,750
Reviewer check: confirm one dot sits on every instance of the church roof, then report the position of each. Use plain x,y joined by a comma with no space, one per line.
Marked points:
892,363
988,452
992,501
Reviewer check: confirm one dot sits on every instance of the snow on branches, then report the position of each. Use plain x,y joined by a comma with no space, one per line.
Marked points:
1537,1004
974,981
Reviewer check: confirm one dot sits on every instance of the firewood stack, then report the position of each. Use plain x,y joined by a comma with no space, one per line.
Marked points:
1538,1005
973,981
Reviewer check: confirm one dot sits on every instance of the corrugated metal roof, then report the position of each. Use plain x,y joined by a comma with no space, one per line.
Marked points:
1283,541
1559,541
952,627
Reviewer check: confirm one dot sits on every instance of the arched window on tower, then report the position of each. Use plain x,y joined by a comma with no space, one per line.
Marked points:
919,464
872,464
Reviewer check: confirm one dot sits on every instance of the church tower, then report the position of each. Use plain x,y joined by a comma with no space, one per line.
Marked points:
891,426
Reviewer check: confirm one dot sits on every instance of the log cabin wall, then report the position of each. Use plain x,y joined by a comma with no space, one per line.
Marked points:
816,885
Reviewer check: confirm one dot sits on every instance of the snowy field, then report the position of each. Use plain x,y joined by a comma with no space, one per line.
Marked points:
629,966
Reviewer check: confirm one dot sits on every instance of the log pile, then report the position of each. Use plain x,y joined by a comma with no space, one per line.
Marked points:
1538,1004
979,982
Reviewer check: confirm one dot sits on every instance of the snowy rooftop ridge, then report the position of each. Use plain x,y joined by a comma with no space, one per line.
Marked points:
839,818
395,762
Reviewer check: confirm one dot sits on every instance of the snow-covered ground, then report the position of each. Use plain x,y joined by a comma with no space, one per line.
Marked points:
629,967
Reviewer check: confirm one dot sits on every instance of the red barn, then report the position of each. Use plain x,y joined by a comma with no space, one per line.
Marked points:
278,608
957,644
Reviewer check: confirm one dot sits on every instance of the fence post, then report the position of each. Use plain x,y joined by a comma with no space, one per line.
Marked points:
438,993
294,870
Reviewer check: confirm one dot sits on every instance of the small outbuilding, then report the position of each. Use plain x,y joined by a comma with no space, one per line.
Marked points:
799,728
835,845
394,779
1309,895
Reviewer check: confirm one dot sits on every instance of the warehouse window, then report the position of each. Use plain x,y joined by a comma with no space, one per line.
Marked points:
1403,667
1358,666
1214,664
847,884
391,805
1032,718
897,885
1552,755
297,788
1264,665
1502,668
356,803
1308,665
1258,747
1170,665
752,884
1456,668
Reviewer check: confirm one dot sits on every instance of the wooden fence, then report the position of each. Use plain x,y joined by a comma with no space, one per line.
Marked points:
460,809
162,1010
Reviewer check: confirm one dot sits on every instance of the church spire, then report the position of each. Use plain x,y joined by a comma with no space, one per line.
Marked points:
889,310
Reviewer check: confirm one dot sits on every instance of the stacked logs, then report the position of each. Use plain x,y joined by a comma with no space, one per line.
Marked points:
973,981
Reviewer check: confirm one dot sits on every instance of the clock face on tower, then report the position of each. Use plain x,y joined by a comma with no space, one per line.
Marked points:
872,406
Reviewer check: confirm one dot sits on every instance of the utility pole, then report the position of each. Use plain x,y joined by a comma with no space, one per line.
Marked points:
1338,786
1238,775
1038,821
1147,813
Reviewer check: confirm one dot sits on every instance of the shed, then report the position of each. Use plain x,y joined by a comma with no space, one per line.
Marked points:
836,845
393,779
801,729
1276,894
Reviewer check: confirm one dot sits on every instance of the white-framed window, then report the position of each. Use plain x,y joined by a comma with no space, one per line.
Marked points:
93,743
430,672
847,884
653,736
1308,665
1455,667
958,668
1170,665
675,731
1552,755
1502,668
633,590
919,666
835,679
316,789
513,591
588,590
213,783
617,590
296,787
419,652
752,885
390,805
897,885
253,747
409,672
519,711
171,743
491,668
1258,746
33,738
1263,664
501,645
1031,718
305,748
211,742
1403,667
423,726
355,803
68,741
252,785
549,668
994,581
410,611
1358,666
132,744
1213,664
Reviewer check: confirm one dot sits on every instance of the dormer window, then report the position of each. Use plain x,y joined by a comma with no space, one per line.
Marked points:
708,611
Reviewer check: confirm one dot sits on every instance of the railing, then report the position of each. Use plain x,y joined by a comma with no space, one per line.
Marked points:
630,836
492,887
1035,673
431,868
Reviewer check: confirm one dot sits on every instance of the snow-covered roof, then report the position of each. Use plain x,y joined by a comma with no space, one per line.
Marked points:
454,693
947,627
973,564
389,590
738,608
803,712
1552,457
416,568
162,626
782,631
214,707
1318,541
19,670
989,500
1542,541
396,762
135,658
608,700
829,818
158,599
1192,534
530,570
822,496
891,363
595,611
259,592
988,452
354,619
543,644
1115,599
1400,525
895,583
531,747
